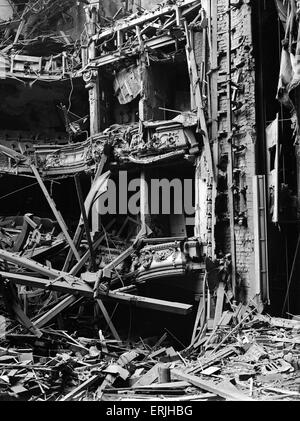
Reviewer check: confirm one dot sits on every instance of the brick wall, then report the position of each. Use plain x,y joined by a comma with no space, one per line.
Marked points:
243,74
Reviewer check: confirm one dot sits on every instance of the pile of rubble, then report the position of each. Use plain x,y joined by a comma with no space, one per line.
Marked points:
247,356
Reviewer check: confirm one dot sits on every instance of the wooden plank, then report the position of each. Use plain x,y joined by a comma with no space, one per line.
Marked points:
151,303
187,398
219,305
29,264
58,285
85,385
171,385
223,317
45,318
56,213
108,320
225,389
200,313
85,222
75,285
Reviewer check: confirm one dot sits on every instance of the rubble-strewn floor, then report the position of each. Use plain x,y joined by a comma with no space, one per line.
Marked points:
249,357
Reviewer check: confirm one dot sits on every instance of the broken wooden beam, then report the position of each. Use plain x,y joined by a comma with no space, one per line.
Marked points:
226,392
75,285
56,213
152,303
85,222
219,304
108,320
45,318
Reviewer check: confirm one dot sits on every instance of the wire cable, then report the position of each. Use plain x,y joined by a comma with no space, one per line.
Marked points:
17,191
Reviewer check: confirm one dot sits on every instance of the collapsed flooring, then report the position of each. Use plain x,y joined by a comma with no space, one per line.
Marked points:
246,357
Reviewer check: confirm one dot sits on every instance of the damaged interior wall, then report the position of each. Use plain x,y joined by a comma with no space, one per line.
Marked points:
236,139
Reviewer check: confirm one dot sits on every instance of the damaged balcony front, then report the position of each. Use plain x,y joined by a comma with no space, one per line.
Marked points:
146,118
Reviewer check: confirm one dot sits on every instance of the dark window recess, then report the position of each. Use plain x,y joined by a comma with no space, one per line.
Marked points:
272,152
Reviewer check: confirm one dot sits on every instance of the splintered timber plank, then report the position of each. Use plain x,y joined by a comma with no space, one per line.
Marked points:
225,389
216,327
170,385
152,303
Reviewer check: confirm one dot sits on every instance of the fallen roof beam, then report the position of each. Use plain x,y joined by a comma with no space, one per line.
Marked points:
30,264
60,285
81,288
151,303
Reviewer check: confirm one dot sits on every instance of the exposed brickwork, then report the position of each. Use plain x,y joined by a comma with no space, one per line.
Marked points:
242,63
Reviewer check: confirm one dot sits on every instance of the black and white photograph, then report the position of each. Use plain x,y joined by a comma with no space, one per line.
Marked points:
149,203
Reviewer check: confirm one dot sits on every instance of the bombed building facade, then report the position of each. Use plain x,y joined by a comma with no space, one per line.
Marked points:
149,157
